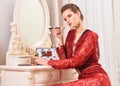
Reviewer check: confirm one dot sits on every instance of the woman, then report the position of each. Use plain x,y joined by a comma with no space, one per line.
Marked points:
81,51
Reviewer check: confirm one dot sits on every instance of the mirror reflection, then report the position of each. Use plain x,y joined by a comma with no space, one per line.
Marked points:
32,21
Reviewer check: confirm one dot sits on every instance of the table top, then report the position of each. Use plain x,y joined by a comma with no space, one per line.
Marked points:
25,68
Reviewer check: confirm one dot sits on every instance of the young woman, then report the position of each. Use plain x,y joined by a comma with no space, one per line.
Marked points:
80,51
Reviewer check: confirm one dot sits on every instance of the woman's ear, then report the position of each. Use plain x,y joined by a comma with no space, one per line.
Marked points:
78,13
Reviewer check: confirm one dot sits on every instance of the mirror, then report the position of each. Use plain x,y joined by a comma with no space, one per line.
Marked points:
29,29
32,21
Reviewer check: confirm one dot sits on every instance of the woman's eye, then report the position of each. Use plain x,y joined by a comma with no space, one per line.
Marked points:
65,19
69,15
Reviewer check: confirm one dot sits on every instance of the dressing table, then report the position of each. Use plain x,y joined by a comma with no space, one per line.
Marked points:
29,31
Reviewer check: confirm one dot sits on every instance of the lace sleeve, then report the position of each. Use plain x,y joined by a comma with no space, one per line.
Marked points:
61,52
82,53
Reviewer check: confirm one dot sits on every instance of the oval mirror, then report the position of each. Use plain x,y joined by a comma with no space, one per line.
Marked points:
32,18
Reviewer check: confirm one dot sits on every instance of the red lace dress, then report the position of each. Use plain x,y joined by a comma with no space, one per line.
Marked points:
84,58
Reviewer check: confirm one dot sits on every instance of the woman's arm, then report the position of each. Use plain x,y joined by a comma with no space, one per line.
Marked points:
80,56
58,33
61,51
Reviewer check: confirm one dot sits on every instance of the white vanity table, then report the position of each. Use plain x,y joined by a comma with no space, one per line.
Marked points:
29,76
35,75
29,32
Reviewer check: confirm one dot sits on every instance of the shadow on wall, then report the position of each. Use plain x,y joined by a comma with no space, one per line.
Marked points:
6,15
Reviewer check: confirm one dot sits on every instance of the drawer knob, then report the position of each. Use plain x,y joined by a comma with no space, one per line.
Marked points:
51,75
29,76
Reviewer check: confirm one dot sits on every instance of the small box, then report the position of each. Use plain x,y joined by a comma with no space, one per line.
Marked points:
47,53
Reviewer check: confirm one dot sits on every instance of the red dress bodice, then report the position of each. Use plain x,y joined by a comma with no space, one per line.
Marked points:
85,56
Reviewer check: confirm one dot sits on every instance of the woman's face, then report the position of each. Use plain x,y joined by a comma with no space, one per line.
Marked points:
72,19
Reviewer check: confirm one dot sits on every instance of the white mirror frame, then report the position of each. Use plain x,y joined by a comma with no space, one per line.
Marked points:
19,41
46,10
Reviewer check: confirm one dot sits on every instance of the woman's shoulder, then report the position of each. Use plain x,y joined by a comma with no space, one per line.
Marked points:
90,32
87,32
72,31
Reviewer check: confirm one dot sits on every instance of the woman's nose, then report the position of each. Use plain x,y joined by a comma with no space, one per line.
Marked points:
68,21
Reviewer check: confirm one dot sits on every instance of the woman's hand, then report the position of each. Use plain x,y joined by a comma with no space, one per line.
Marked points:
58,32
40,60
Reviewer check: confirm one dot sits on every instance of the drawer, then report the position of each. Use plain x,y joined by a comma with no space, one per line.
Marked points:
47,83
17,78
47,75
69,74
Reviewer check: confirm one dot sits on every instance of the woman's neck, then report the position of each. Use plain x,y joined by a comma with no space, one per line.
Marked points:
81,29
79,32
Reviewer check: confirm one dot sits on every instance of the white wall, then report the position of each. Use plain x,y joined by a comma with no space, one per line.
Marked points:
116,8
6,14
